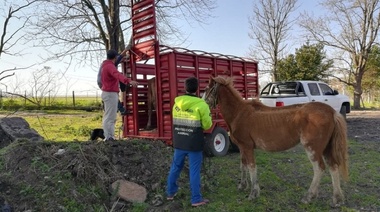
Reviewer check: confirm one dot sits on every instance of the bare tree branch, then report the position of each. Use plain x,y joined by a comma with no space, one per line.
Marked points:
269,28
84,29
7,40
350,26
22,96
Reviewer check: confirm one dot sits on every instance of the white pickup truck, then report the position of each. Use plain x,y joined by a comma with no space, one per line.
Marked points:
277,94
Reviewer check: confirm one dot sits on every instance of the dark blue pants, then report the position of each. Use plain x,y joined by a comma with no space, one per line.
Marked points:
195,164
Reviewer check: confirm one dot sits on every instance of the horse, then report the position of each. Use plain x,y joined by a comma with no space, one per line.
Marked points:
318,127
151,101
259,106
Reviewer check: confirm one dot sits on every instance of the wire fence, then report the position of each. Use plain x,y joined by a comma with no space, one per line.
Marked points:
72,100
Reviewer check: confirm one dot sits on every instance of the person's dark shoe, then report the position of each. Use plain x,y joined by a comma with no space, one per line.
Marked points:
127,112
203,202
124,112
171,197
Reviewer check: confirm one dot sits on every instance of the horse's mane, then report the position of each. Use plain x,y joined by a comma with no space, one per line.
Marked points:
223,80
228,82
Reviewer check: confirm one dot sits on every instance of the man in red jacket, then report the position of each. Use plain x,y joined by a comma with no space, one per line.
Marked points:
110,93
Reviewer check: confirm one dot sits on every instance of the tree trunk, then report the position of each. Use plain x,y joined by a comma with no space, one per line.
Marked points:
358,91
115,26
357,98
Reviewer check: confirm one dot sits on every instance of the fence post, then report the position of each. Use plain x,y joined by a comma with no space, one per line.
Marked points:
73,99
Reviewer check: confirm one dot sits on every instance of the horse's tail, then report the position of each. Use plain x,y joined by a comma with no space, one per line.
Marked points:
339,147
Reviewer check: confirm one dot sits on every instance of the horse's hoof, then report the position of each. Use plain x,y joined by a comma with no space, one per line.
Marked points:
254,194
306,199
337,201
243,186
336,205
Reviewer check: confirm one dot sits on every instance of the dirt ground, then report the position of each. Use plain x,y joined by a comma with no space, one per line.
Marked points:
99,163
364,126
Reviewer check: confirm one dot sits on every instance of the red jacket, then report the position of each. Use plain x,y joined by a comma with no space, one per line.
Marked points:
111,77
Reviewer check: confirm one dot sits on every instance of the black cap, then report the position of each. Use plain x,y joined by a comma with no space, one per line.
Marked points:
111,54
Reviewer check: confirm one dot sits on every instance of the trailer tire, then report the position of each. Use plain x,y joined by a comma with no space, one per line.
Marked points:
217,143
343,111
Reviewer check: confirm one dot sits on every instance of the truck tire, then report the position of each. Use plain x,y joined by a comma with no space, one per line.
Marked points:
343,111
217,143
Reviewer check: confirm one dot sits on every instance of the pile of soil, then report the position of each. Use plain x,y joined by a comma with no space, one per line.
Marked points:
37,168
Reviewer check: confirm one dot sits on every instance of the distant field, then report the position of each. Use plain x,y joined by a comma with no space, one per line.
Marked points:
64,125
69,101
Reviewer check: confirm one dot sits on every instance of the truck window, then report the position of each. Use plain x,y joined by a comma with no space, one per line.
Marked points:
287,88
300,90
266,90
313,87
326,90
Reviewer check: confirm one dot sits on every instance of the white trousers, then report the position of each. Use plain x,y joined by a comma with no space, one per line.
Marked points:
110,101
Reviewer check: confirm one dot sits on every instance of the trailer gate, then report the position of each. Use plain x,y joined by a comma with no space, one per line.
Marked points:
170,67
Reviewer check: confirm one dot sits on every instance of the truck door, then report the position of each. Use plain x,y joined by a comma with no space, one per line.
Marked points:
329,97
319,92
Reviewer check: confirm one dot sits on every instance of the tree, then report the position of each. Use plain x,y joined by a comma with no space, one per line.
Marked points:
44,84
10,36
308,63
269,28
83,29
350,27
371,78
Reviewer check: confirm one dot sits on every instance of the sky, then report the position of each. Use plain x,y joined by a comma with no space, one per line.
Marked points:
226,33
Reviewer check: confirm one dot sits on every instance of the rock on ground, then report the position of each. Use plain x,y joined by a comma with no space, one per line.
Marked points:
15,128
130,191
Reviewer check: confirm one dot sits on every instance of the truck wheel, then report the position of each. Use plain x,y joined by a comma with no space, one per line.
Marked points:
217,143
343,111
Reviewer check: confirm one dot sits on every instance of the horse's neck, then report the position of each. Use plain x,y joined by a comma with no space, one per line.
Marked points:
229,102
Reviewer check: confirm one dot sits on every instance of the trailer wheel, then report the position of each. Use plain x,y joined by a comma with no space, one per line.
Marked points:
217,143
343,111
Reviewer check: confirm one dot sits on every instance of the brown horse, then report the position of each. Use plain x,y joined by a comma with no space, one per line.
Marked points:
151,101
318,127
261,107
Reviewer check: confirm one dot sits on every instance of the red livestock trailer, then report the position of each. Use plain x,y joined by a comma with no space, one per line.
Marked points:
170,67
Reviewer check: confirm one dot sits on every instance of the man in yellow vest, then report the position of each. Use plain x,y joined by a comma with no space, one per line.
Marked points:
191,116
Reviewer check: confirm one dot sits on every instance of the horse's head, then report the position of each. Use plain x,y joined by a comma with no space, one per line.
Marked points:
210,95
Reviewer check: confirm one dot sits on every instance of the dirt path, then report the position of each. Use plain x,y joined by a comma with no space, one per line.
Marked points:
364,125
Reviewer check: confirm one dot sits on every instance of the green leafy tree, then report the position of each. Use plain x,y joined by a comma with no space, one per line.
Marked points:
371,77
308,63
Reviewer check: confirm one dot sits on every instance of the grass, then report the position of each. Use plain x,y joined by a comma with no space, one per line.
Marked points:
67,126
284,177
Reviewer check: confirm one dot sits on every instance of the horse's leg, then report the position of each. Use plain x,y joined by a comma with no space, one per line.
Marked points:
318,166
251,164
148,125
338,197
243,184
151,101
